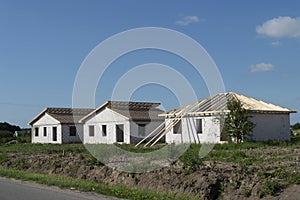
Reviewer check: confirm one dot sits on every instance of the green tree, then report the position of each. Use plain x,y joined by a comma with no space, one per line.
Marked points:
296,126
237,122
4,126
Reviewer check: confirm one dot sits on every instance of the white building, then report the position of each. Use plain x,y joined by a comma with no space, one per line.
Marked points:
200,121
121,122
58,125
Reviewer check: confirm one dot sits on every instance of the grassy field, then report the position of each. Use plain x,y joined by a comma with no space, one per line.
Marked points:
31,148
238,153
229,152
43,148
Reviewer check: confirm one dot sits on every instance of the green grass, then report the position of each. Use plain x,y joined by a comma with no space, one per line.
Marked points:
190,159
281,174
3,157
140,148
270,188
231,152
6,136
79,148
89,186
43,148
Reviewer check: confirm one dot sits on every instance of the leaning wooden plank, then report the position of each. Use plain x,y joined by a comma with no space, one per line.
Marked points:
157,128
161,132
171,125
165,132
155,135
183,113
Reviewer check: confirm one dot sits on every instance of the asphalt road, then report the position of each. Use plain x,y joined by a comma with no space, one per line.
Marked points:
17,190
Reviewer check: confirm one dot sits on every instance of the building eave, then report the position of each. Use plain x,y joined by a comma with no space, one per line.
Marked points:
224,112
82,120
37,117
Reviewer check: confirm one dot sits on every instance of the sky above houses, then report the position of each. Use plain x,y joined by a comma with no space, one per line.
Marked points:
255,45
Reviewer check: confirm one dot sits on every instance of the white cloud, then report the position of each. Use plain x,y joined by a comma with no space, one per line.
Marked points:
280,27
262,67
275,43
187,20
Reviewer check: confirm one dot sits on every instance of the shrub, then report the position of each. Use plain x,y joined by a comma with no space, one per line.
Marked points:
5,134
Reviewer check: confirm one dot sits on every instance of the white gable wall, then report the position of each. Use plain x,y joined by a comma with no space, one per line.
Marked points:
46,119
271,127
210,134
48,122
110,119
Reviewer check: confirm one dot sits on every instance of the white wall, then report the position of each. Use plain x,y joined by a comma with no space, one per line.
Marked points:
268,127
72,139
48,138
63,132
48,122
211,131
110,119
271,127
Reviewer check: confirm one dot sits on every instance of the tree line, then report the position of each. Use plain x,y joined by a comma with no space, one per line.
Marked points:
4,126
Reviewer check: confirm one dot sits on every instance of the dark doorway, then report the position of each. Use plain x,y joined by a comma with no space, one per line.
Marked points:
54,134
120,132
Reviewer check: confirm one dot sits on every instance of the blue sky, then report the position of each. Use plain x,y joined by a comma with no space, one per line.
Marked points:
255,44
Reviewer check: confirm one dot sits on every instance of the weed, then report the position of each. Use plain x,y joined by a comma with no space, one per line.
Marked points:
244,168
245,191
22,164
263,173
191,160
3,157
235,184
81,157
57,164
136,180
140,149
73,170
92,161
269,188
294,179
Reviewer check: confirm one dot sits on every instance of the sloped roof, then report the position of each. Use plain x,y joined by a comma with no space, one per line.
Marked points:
218,104
64,115
136,111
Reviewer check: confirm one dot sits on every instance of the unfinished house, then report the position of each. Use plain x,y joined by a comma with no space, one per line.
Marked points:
121,122
200,122
58,125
